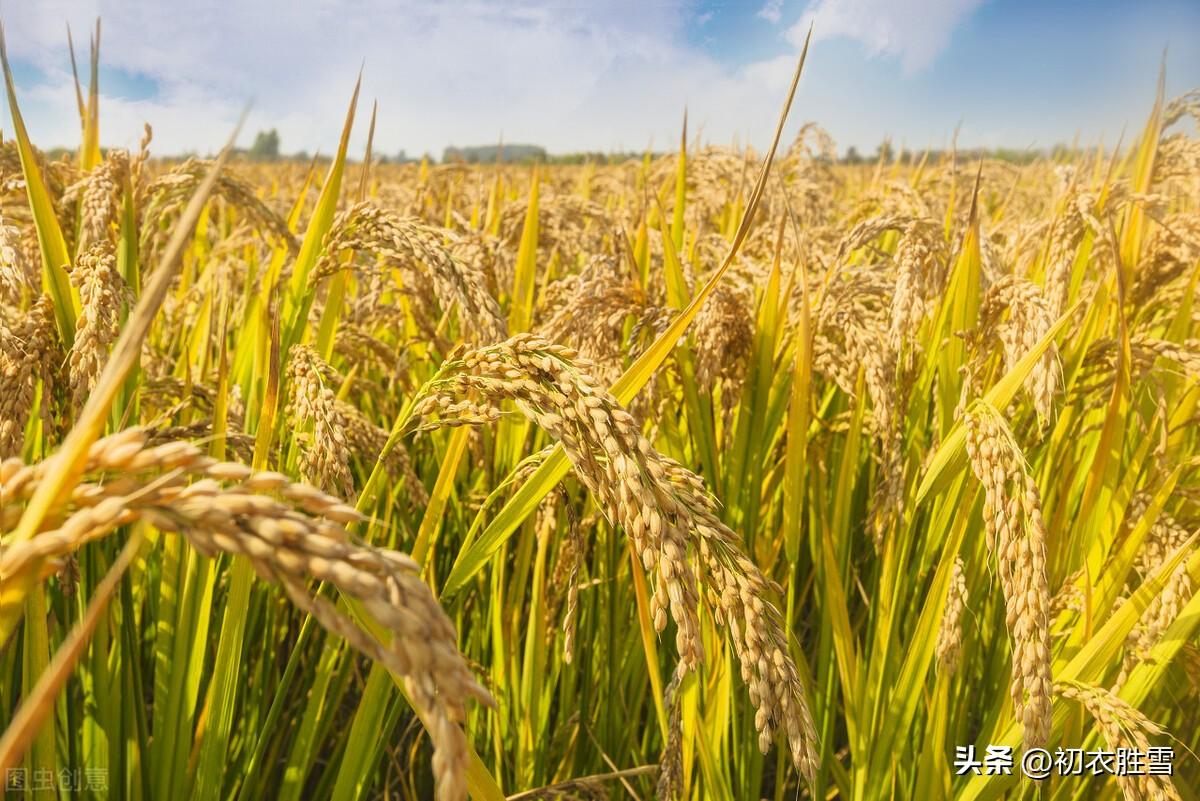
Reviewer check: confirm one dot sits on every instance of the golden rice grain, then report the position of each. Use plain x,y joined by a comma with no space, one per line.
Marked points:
1016,536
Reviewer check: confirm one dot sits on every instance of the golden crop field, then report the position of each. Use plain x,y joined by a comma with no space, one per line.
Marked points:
719,474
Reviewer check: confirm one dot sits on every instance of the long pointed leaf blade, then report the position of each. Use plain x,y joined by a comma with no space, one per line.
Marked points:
555,467
51,243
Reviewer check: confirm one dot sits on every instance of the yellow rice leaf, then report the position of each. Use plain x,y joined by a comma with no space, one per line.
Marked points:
51,243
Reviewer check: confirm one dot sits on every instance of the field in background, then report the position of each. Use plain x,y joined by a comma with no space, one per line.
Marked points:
674,478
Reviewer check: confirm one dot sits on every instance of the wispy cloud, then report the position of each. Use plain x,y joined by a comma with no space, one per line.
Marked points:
603,76
564,75
916,31
772,12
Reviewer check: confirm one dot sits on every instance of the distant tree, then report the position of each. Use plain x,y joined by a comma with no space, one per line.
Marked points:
266,146
884,152
853,156
488,154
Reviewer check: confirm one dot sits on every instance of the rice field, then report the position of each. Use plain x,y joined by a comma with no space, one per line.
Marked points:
719,474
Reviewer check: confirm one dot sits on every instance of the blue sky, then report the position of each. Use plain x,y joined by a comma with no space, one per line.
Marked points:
617,75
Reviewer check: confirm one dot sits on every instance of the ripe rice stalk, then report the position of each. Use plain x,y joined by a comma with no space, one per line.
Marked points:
412,248
1029,318
105,296
663,507
298,537
1121,726
773,421
1016,535
25,354
949,646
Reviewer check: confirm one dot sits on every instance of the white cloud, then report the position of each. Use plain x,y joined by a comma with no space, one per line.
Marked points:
563,75
772,12
916,31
